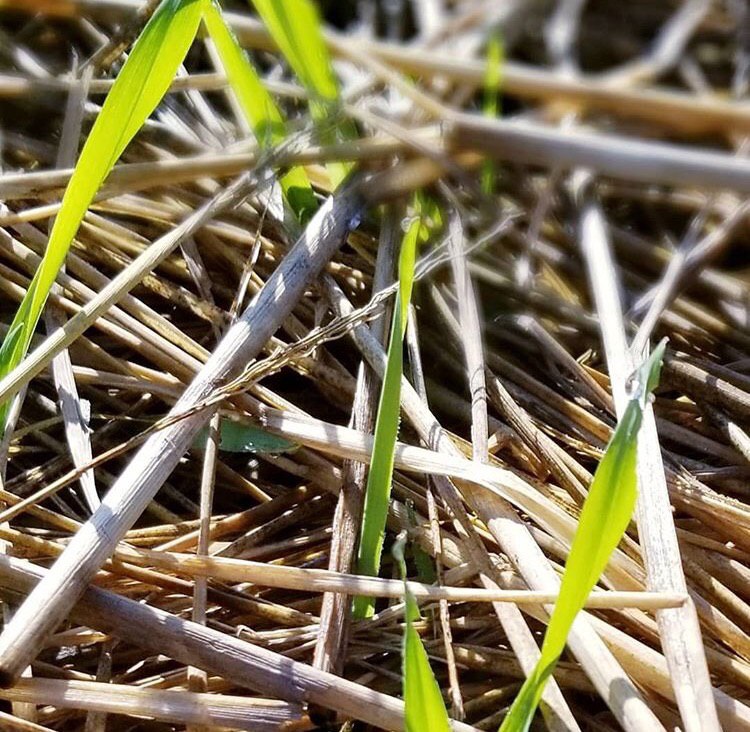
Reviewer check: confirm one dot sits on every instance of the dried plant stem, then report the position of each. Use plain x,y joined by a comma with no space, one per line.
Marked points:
620,157
323,580
471,329
130,177
457,703
197,677
182,707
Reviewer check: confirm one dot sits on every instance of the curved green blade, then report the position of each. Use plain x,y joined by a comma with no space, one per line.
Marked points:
604,519
258,106
296,29
138,89
378,490
424,705
493,77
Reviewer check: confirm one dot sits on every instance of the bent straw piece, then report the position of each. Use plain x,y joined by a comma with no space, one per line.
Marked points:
94,543
236,660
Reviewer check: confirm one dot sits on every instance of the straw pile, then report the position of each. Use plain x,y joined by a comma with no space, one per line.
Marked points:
617,218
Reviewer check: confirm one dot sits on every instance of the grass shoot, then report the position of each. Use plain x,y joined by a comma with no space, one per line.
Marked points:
605,516
425,708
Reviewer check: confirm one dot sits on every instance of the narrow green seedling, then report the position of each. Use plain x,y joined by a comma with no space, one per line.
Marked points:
300,39
296,29
424,705
138,89
493,76
378,490
258,107
604,519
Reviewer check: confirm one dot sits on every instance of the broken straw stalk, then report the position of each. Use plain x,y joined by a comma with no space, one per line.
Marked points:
623,157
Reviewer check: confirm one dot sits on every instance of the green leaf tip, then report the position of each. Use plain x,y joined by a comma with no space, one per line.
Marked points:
258,107
646,377
297,30
138,89
605,516
493,76
245,438
424,708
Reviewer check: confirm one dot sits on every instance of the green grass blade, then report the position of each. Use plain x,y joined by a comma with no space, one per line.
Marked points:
491,107
258,107
138,89
296,29
11,342
425,708
604,519
378,491
493,76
